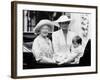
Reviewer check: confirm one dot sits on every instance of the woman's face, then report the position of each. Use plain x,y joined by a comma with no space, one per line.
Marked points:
44,30
64,25
75,44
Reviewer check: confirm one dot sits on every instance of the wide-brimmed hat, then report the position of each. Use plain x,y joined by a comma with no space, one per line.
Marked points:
63,18
42,23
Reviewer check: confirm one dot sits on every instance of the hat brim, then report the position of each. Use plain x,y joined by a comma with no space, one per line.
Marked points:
63,20
41,24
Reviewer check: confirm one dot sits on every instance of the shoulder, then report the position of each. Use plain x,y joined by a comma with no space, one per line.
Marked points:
56,33
72,33
36,40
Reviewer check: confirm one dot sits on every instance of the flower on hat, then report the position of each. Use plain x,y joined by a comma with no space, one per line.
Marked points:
42,23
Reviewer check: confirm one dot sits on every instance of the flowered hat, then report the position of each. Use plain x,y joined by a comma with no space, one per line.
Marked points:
42,23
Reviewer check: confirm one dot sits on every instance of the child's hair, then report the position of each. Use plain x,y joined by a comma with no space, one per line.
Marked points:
77,39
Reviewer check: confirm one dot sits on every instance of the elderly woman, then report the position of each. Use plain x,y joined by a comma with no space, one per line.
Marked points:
42,47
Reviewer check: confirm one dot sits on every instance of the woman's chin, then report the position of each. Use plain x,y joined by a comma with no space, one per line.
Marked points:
64,29
45,35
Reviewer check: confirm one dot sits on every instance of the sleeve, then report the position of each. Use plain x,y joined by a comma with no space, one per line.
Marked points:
80,54
55,43
36,50
81,50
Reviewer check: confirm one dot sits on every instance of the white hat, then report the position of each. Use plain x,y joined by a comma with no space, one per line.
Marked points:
42,23
63,18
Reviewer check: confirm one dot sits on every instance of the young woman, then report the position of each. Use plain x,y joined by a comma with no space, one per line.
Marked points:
62,40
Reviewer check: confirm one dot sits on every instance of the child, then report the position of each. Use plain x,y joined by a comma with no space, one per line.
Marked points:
76,48
76,51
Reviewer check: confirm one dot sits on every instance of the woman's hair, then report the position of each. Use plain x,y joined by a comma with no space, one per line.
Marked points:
77,39
45,25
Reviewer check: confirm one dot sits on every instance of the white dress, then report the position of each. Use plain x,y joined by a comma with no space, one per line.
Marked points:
61,45
42,47
79,51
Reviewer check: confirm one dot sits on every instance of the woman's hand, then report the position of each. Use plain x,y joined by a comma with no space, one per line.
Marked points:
47,60
76,61
64,61
60,63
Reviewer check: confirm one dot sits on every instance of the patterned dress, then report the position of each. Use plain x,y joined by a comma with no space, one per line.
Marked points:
42,47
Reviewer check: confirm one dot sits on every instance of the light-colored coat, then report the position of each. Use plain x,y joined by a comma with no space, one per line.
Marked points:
61,45
42,48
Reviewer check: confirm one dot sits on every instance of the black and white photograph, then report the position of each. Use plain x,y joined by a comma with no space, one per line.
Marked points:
54,39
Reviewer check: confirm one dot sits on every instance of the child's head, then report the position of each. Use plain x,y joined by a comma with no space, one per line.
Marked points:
77,41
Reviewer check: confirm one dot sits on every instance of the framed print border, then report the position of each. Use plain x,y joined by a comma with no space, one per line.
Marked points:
14,31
